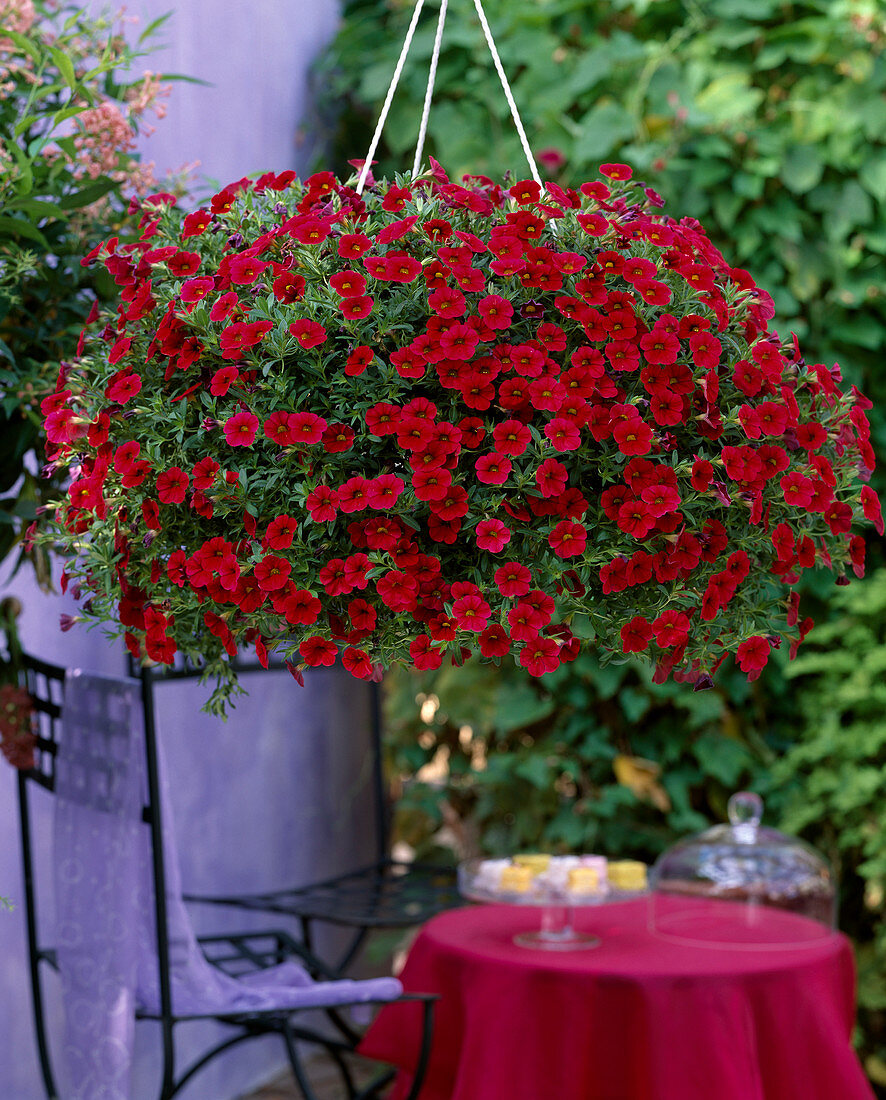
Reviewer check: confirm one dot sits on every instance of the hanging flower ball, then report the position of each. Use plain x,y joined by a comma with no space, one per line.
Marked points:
439,419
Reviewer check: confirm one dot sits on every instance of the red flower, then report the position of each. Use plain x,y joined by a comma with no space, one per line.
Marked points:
354,309
424,656
493,469
348,284
245,269
492,535
123,386
240,429
511,437
671,628
870,504
337,439
636,635
172,485
357,662
308,333
633,437
271,572
223,379
568,539
551,477
471,613
513,579
384,491
306,428
616,171
540,655
301,608
563,434
358,360
798,490
288,287
353,495
753,654
494,641
280,533
317,651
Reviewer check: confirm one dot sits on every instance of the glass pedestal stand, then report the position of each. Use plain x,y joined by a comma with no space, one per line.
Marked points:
557,932
556,906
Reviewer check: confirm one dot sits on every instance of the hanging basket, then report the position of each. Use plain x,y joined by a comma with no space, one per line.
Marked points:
425,419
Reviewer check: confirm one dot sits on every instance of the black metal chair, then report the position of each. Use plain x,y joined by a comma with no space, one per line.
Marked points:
235,954
386,893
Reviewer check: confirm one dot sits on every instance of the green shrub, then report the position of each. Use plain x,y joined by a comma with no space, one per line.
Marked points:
836,775
67,170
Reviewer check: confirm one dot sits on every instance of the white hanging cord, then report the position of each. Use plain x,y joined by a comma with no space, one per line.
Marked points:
376,137
515,114
429,91
507,94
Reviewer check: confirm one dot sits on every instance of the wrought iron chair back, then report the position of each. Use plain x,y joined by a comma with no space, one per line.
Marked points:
234,954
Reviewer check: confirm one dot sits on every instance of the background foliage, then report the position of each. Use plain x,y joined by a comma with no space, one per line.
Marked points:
766,120
68,122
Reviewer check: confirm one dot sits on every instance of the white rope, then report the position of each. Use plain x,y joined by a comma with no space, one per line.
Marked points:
515,114
382,118
429,91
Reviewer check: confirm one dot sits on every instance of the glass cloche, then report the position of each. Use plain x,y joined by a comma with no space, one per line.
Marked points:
743,885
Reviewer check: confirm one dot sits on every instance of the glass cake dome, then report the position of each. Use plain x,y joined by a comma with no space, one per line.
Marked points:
743,885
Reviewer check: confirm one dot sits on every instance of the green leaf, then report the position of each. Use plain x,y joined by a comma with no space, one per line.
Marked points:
25,183
30,47
153,27
64,66
802,169
603,129
20,227
873,175
729,97
88,194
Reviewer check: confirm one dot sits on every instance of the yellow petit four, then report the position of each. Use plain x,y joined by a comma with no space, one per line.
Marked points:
515,879
535,861
583,880
627,874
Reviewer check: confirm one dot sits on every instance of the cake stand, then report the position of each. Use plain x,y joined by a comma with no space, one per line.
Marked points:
557,907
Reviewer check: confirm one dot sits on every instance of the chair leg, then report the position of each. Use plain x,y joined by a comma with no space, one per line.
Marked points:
421,1066
295,1062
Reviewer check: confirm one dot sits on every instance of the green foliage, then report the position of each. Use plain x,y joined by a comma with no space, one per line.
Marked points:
836,775
765,120
591,757
67,129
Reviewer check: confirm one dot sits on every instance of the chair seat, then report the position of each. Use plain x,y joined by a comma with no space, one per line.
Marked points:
389,894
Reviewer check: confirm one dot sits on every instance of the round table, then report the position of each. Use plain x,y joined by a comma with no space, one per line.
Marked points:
636,1018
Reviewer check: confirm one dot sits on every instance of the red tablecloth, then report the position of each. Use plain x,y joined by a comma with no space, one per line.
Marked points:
637,1018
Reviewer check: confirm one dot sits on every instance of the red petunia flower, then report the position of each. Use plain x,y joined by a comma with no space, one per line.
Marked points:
240,429
317,651
492,535
568,539
308,333
172,485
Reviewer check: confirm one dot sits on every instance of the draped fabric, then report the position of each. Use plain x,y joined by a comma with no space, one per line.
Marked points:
106,934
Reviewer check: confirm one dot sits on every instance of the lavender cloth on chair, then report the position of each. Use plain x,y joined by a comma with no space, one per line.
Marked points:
107,951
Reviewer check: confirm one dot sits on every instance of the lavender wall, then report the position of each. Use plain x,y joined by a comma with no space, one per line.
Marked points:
272,797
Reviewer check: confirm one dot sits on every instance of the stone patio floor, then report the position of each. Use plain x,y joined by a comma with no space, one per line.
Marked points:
324,1078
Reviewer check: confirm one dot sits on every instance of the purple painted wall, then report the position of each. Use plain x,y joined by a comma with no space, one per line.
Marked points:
270,798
